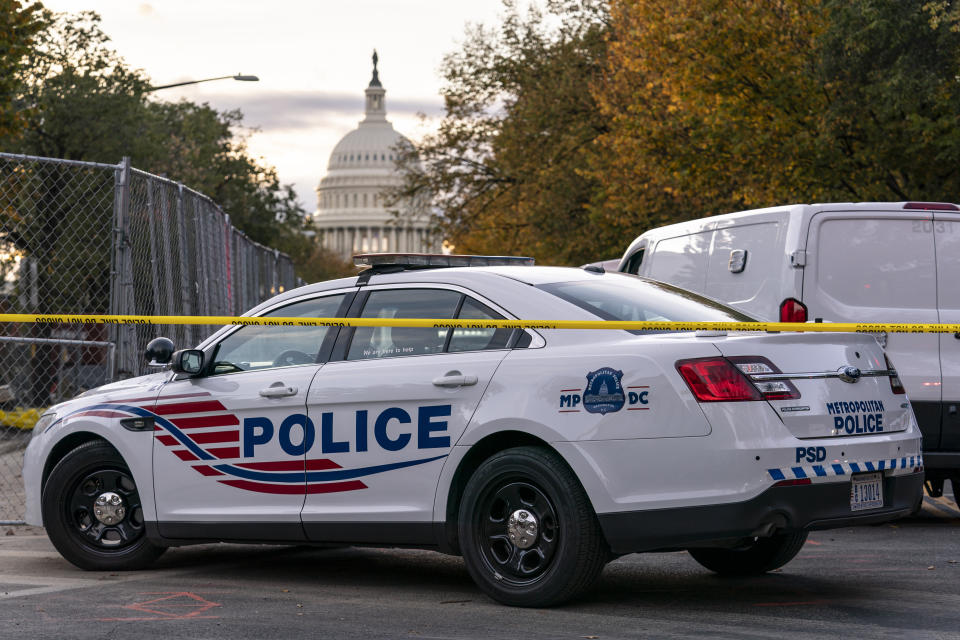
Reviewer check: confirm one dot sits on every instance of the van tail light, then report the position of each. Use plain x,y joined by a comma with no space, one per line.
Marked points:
932,206
792,310
731,380
895,385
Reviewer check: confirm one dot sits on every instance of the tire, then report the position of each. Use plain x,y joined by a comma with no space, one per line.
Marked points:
763,555
92,470
566,551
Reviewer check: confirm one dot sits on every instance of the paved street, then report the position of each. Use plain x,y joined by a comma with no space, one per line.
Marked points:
899,581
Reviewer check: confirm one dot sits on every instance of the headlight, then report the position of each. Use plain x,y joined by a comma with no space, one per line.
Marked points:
45,421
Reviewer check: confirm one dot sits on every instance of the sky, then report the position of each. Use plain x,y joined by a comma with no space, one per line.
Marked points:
312,58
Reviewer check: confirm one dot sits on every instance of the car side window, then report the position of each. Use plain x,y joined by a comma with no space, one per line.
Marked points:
388,342
264,347
478,339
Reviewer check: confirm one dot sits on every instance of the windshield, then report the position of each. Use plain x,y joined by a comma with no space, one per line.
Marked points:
626,297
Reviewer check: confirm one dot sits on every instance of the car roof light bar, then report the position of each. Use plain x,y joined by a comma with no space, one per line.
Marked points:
432,260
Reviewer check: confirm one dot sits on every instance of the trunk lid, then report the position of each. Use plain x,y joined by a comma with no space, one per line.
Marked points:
842,380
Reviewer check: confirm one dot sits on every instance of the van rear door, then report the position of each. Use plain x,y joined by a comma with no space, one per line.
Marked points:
880,267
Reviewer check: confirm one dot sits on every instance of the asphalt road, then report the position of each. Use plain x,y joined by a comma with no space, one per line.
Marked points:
899,580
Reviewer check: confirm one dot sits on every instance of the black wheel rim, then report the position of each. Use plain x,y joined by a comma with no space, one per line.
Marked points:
509,563
83,522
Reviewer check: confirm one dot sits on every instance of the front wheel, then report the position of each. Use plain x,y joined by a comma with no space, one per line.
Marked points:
92,511
527,530
760,556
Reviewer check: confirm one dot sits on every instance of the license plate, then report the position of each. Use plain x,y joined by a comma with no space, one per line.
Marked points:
866,491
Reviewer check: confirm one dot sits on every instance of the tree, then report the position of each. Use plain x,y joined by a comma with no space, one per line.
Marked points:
79,100
712,107
86,103
505,170
892,70
715,107
18,26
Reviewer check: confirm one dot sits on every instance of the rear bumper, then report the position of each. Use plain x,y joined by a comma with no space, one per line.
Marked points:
949,460
805,507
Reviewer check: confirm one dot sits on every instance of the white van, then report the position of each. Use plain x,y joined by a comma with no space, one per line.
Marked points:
845,262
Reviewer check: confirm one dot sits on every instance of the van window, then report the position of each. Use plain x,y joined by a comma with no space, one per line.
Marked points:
879,263
682,261
633,263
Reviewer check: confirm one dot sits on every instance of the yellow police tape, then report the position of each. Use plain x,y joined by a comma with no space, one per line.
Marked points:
830,327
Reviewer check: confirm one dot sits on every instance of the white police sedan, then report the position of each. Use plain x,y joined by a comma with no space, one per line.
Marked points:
538,455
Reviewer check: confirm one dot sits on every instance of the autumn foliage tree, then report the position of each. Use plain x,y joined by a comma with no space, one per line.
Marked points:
712,107
506,168
570,131
715,107
19,24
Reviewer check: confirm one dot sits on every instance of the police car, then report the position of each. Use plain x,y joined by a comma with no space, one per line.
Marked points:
536,454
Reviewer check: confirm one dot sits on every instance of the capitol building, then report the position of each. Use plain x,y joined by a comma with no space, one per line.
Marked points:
351,216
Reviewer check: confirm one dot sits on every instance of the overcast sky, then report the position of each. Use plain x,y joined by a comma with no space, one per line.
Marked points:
312,57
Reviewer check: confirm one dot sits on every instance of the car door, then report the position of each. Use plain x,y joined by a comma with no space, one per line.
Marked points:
230,446
881,268
946,229
390,405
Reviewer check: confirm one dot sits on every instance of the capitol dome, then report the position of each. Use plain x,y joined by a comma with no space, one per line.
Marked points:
351,216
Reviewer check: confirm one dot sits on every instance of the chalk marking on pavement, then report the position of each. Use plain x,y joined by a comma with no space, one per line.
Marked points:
175,599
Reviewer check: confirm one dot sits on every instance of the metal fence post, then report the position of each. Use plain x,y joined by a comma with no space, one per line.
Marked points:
154,268
187,284
165,231
119,251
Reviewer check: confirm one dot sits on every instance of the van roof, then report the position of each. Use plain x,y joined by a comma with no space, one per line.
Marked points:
791,210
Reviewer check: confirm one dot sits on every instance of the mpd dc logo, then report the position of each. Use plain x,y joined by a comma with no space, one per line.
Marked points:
604,394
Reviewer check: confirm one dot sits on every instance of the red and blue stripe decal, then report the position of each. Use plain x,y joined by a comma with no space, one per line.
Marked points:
200,430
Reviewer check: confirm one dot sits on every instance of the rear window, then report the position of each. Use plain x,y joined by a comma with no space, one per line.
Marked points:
626,297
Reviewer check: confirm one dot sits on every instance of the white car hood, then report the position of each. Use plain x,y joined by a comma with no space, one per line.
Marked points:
121,389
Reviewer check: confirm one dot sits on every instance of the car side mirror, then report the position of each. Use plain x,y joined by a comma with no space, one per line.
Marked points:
189,361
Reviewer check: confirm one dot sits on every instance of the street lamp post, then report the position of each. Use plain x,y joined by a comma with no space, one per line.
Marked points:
240,77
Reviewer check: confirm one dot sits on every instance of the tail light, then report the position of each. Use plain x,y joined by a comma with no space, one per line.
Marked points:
895,385
769,389
728,380
792,310
932,206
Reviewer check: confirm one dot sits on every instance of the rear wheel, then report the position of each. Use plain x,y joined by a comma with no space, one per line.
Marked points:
92,511
527,530
760,556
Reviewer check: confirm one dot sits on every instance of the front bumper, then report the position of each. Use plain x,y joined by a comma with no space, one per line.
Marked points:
788,508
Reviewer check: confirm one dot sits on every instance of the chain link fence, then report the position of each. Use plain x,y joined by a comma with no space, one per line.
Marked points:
91,238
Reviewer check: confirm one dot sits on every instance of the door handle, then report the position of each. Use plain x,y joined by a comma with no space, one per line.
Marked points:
278,390
454,379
